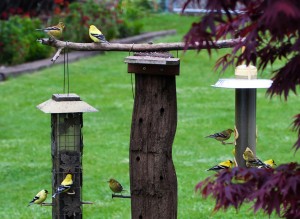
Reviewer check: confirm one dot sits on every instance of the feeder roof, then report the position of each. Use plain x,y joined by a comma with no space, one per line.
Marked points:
65,103
243,83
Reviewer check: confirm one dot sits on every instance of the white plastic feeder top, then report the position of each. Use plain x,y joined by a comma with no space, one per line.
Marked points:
245,77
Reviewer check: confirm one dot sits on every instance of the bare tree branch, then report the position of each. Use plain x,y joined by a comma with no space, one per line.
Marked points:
56,55
143,47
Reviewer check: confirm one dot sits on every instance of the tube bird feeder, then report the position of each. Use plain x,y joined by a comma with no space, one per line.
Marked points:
66,151
245,84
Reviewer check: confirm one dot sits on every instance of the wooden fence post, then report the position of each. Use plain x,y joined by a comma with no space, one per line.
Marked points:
153,181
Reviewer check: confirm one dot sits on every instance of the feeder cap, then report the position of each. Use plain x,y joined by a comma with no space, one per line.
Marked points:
65,103
246,72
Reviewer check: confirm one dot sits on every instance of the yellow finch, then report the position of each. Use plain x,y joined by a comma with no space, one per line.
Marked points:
115,186
221,136
96,35
39,198
65,185
251,160
221,166
268,164
54,31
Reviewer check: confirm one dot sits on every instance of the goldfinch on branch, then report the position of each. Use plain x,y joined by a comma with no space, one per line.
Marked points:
221,136
115,186
96,35
54,31
221,166
65,185
251,160
39,198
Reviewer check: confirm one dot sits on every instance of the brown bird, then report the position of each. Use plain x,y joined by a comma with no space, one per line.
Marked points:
115,186
221,136
252,161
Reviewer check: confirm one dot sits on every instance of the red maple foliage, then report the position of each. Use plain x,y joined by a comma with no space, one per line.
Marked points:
270,29
270,189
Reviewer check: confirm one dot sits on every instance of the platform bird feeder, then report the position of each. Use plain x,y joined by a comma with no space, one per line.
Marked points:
153,181
245,84
66,150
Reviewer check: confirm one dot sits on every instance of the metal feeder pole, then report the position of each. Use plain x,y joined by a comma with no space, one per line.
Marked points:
245,114
245,121
66,150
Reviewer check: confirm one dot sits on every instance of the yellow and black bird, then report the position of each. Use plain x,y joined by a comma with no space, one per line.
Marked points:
221,166
96,35
115,186
252,160
39,198
221,136
54,31
65,185
268,164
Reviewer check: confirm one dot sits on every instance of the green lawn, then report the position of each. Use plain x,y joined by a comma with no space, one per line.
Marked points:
103,82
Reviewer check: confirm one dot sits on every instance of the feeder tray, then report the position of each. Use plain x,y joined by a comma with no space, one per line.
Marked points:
245,78
242,83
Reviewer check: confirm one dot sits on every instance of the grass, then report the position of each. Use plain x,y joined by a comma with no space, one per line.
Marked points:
103,82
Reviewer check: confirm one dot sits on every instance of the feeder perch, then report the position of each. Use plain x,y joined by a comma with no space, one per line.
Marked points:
245,84
66,150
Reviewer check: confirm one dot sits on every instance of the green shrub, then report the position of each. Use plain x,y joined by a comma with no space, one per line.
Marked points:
131,14
18,41
115,19
82,15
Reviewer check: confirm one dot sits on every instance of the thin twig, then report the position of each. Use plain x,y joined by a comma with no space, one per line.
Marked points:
56,55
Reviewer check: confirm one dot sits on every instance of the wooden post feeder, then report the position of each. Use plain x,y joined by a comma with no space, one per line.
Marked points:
66,150
153,181
245,84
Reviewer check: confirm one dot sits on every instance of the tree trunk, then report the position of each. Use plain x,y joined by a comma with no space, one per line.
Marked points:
153,179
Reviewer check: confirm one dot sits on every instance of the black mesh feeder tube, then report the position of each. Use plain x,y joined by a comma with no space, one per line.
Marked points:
66,151
245,84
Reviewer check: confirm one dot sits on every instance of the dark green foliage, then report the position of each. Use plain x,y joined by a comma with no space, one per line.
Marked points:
115,20
18,40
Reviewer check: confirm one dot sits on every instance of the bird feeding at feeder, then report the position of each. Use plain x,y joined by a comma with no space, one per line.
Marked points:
222,166
39,198
269,164
252,160
65,185
115,186
222,136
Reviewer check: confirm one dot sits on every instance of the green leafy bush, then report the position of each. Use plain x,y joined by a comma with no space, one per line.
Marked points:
130,22
81,15
116,19
18,40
